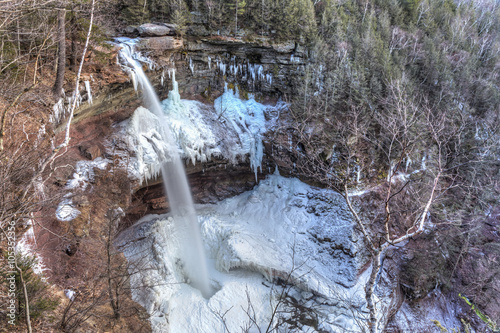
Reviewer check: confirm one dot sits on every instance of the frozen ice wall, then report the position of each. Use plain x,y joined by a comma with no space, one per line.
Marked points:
246,117
232,128
281,226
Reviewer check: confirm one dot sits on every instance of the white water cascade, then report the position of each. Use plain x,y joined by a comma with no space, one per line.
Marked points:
174,178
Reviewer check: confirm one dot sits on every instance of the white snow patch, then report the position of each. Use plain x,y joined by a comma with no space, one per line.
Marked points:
25,247
84,173
70,294
66,211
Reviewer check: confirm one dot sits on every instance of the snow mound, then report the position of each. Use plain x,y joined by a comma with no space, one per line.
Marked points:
84,173
82,177
26,248
283,227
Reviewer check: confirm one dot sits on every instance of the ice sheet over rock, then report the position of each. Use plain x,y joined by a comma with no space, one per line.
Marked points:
250,239
232,128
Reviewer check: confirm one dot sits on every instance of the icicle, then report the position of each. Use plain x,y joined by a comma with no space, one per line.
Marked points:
41,133
251,70
408,162
260,73
58,110
391,171
209,62
191,66
424,166
269,78
89,92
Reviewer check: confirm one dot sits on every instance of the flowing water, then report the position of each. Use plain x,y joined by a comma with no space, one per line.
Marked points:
192,255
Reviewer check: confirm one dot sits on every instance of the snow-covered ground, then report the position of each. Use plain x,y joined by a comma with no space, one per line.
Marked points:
283,226
82,177
26,248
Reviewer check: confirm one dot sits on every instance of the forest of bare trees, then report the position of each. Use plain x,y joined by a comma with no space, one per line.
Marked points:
406,92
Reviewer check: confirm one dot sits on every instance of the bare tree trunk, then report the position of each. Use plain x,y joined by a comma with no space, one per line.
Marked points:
61,57
73,56
26,299
369,290
236,18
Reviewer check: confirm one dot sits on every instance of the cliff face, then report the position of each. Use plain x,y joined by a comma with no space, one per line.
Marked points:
95,195
203,68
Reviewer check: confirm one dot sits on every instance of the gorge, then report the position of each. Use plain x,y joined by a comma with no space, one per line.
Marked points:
267,166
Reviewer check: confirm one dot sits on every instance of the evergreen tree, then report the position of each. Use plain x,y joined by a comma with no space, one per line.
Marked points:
135,11
237,7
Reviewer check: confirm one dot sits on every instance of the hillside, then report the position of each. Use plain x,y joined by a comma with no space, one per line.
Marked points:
343,158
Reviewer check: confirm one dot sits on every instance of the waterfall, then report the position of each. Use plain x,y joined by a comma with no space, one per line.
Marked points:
174,178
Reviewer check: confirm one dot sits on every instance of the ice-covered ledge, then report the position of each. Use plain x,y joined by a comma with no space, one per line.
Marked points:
231,129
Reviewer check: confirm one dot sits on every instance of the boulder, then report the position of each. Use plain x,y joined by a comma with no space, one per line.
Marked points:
160,43
285,47
91,152
157,30
131,30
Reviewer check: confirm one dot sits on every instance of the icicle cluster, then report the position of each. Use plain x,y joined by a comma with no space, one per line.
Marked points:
248,121
244,70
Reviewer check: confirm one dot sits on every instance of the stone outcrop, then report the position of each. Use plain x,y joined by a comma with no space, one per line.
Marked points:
157,30
165,43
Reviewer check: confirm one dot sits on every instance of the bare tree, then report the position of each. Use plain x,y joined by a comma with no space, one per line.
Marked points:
61,56
409,127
